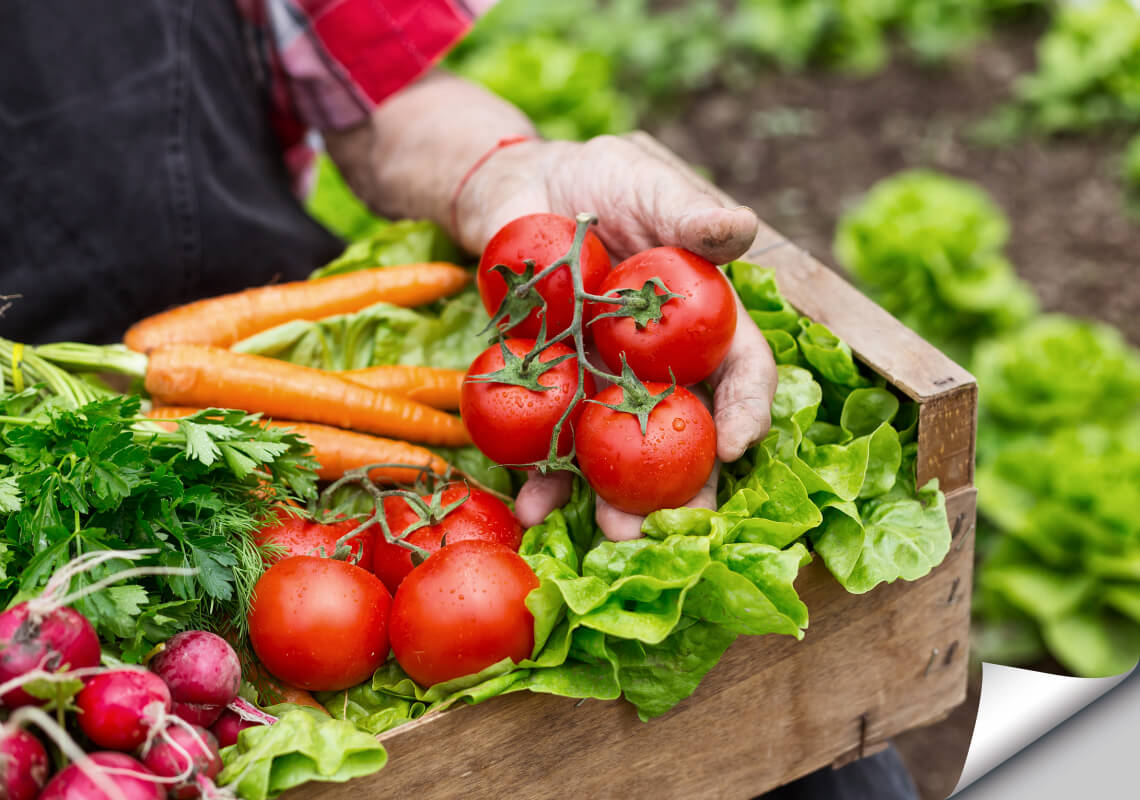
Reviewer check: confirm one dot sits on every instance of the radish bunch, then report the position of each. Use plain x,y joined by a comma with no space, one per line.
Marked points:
158,715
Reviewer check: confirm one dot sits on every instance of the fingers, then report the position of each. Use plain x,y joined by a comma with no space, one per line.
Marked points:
621,526
540,495
745,385
617,525
643,202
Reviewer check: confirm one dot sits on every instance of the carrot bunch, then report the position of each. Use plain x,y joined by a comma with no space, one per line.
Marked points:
201,376
351,418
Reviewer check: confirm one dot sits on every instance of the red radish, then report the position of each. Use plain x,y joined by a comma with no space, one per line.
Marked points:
187,752
60,638
118,707
202,672
44,635
196,713
228,726
23,765
132,780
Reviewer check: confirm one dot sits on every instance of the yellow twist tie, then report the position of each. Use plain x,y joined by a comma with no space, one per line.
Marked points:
17,375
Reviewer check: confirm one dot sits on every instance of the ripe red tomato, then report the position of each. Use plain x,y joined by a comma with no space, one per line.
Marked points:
513,424
544,238
318,623
463,610
481,516
300,536
663,469
694,332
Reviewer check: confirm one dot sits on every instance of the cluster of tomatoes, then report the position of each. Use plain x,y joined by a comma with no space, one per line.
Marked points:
636,461
643,443
326,624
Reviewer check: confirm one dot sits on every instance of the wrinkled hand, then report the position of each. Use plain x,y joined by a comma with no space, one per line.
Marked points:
641,202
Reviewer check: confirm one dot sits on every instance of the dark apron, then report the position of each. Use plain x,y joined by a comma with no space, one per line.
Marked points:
137,167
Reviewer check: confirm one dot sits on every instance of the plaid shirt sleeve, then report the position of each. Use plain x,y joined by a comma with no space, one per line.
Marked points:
327,63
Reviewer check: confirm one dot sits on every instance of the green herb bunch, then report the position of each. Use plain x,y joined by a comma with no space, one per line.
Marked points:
97,476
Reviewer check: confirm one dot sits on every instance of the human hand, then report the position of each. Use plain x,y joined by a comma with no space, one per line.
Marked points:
641,202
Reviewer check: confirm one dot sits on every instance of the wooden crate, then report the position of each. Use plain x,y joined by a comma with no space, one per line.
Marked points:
870,667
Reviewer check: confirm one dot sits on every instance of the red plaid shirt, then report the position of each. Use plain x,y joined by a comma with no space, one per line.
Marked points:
326,64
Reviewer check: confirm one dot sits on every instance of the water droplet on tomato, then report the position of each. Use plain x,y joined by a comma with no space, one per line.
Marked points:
678,424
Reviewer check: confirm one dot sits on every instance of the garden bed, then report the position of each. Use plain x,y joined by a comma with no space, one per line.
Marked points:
801,148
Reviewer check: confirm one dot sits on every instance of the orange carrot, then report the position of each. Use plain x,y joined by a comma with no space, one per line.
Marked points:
222,321
433,386
201,376
337,451
271,691
299,697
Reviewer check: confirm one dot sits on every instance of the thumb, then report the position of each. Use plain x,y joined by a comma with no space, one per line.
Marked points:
716,233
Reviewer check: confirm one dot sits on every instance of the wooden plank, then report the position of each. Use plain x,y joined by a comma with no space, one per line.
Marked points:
773,709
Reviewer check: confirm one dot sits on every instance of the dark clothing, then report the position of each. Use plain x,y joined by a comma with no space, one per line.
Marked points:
137,166
882,776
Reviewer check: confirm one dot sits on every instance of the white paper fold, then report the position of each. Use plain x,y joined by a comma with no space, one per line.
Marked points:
1018,706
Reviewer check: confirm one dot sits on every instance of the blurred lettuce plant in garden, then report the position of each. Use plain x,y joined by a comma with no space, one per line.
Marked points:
930,249
1087,75
1059,424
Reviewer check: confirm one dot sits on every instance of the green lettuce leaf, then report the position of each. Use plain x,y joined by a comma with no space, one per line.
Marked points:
337,208
408,241
380,334
890,537
300,747
929,249
757,288
1094,646
1018,373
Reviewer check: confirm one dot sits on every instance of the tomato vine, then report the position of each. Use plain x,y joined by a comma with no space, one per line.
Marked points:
643,305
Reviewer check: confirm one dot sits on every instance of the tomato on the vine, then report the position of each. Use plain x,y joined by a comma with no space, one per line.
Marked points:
298,535
319,623
665,468
463,610
543,238
480,516
695,330
513,424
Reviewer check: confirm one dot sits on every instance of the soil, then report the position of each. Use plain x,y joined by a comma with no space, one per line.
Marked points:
800,149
